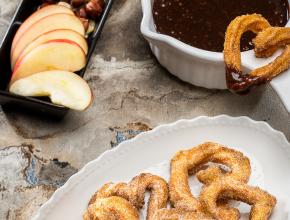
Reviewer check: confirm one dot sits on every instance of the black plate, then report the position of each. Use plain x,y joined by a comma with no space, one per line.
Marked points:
36,105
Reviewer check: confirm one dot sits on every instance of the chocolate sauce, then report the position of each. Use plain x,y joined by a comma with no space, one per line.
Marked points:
202,23
240,83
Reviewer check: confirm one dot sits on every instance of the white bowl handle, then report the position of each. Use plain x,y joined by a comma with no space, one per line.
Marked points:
281,84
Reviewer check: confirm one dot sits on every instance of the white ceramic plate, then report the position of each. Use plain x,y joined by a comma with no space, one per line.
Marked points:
268,150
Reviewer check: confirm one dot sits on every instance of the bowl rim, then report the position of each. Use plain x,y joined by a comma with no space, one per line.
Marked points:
216,57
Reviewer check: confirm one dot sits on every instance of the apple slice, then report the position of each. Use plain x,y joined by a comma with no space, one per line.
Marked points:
41,13
53,55
53,35
62,87
48,23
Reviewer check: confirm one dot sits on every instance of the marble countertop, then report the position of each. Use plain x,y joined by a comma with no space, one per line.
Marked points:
133,93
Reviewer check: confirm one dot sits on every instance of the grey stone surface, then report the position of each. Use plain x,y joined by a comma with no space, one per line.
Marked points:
132,93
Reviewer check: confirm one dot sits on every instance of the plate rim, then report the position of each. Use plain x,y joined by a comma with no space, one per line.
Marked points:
156,132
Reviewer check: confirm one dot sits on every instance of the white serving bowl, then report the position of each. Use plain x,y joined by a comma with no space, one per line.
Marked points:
201,67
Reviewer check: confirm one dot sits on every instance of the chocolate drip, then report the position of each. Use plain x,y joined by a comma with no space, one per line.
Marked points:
240,83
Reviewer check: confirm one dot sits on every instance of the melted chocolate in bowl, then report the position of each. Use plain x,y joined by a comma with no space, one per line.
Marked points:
203,23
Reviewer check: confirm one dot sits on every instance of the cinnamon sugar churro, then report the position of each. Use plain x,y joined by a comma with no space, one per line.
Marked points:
122,201
269,40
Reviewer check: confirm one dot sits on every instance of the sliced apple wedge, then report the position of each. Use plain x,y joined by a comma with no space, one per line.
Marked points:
62,87
48,23
52,55
41,13
54,35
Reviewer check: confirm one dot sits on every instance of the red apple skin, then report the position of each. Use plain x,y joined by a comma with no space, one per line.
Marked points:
65,33
19,46
19,62
48,10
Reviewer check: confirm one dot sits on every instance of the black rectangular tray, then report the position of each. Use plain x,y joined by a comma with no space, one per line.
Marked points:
30,104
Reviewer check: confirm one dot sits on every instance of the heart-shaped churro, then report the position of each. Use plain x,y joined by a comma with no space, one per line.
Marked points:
134,192
268,40
184,161
111,208
262,202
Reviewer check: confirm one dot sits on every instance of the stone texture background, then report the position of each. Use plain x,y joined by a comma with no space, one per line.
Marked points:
133,93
